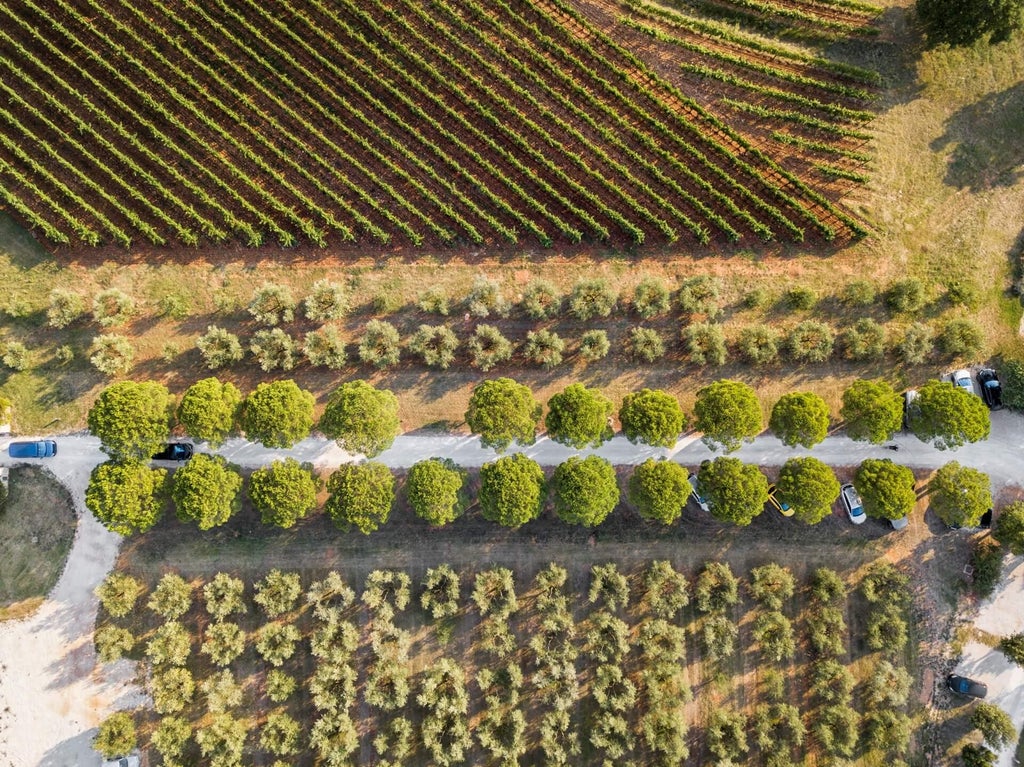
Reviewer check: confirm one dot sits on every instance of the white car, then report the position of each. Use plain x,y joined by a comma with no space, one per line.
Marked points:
899,524
854,505
697,498
962,380
122,761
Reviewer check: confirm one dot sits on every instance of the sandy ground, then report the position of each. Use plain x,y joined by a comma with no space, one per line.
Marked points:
1000,615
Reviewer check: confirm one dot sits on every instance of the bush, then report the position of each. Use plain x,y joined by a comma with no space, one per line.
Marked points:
118,593
859,293
905,296
646,344
379,345
15,356
1012,647
827,587
273,349
699,295
112,307
111,354
592,298
963,293
800,298
485,299
280,686
831,682
1009,528
864,341
717,589
278,592
171,736
888,686
887,730
541,300
659,490
961,338
172,597
65,307
666,590
651,298
883,584
594,345
224,642
224,596
361,496
219,348
113,643
987,561
326,302
172,689
1011,375
810,341
705,343
917,345
169,645
975,755
435,345
325,348
434,301
755,299
488,347
771,585
586,490
272,304
759,344
544,348
512,490
116,735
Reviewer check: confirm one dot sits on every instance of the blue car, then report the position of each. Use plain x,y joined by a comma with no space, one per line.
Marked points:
42,448
174,451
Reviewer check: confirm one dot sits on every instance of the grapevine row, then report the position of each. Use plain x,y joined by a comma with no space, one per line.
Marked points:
799,118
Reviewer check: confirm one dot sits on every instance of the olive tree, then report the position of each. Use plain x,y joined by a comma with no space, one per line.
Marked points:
116,735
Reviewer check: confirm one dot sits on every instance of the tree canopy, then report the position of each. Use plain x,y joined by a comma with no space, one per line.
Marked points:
434,489
800,418
361,418
735,491
283,492
131,419
652,417
959,495
586,490
886,488
501,412
949,417
511,490
873,411
995,725
126,497
206,491
209,410
578,417
278,414
361,496
728,414
809,487
659,490
963,22
1009,529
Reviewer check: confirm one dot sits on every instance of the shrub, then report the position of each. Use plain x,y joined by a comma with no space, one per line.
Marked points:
883,583
887,730
276,642
64,354
592,298
488,347
379,345
172,597
272,304
1009,528
646,344
755,299
651,298
116,735
987,561
916,346
961,338
325,348
118,593
837,728
435,345
326,302
169,645
905,296
717,588
705,343
1012,647
827,587
112,307
771,585
278,592
831,682
172,689
799,298
1011,374
434,301
963,293
864,341
280,686
699,295
65,307
111,354
434,490
219,348
544,348
224,596
975,755
888,686
759,344
859,293
387,300
273,349
485,299
666,590
113,643
541,300
440,596
223,643
15,356
811,341
594,345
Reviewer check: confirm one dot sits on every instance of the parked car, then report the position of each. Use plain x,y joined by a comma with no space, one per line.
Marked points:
42,448
962,380
910,406
852,502
961,685
174,451
696,497
122,761
991,389
775,503
983,524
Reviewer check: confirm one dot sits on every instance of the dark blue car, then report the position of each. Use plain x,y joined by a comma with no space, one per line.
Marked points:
42,448
174,451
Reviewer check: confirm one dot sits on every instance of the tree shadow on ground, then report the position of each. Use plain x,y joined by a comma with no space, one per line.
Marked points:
988,142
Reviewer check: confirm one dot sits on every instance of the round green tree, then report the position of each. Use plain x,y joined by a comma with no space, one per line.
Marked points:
959,494
283,492
361,495
278,414
206,491
1009,529
735,491
658,490
809,487
586,490
995,725
728,414
434,489
967,21
578,417
511,490
949,417
873,411
127,497
800,418
886,488
209,410
501,412
131,419
361,418
116,736
652,417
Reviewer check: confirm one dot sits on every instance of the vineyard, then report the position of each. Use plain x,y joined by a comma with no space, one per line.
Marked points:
396,123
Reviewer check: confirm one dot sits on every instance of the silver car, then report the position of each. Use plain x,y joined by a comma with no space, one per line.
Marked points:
854,505
697,498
